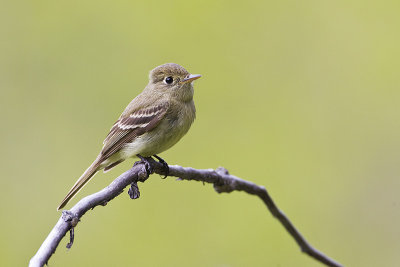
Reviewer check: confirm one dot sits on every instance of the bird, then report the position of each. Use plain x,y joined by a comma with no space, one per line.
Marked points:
153,122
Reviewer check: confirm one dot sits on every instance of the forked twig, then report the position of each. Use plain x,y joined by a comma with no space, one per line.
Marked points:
220,178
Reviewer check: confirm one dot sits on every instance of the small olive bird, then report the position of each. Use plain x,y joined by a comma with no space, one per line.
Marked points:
153,122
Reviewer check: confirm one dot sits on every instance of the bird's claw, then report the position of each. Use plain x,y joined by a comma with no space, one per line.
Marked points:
165,165
149,168
133,191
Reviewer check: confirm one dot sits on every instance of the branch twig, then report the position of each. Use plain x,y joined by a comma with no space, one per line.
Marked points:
220,178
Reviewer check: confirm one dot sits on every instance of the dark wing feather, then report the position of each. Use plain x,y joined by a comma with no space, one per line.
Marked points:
126,129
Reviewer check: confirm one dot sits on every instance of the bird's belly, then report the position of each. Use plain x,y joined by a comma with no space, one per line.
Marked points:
156,141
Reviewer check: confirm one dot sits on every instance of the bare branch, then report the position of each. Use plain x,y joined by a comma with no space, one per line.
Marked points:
220,178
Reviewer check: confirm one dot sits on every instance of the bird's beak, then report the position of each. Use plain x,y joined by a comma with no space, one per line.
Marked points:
191,78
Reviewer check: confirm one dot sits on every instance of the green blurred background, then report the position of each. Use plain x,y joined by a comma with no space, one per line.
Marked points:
299,96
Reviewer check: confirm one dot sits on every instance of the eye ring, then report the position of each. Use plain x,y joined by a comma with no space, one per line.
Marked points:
168,80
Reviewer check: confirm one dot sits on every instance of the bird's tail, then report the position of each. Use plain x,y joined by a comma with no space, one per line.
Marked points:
86,176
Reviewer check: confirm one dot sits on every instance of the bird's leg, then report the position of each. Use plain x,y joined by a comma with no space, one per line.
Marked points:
165,165
133,191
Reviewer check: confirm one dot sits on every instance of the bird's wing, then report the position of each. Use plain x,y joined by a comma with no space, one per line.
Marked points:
124,130
128,127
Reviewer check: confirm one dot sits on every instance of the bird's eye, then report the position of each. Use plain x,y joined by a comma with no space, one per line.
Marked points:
169,80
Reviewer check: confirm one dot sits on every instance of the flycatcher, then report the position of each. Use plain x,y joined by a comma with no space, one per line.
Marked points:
153,122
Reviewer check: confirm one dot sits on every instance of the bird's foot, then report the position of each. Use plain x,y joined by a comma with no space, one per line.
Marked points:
165,165
149,168
133,191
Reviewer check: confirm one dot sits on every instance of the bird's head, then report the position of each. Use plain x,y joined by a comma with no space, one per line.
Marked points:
174,80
